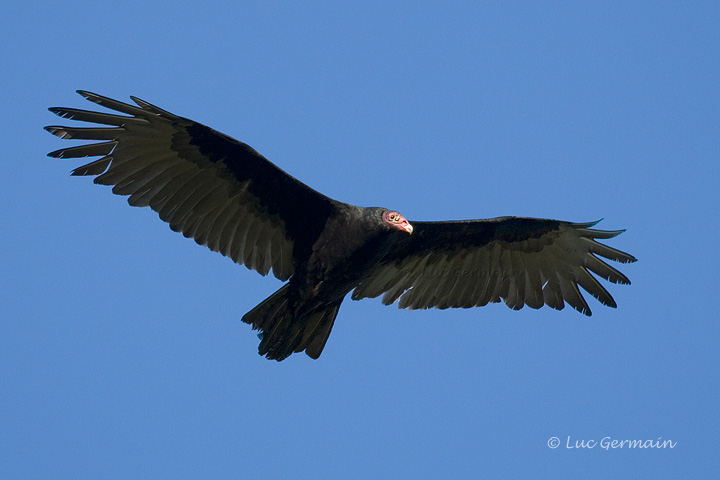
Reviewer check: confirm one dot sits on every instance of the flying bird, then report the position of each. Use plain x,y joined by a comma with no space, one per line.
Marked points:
228,197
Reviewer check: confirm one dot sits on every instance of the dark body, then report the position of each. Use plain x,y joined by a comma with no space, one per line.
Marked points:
225,195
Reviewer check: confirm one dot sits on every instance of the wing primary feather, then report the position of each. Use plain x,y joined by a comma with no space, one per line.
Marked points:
84,133
591,285
89,150
149,107
603,234
96,117
608,272
572,295
586,224
94,168
608,252
113,104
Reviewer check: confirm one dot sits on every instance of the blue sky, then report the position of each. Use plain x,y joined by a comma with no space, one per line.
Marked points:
122,353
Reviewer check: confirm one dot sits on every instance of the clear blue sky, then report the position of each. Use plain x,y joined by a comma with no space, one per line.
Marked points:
122,353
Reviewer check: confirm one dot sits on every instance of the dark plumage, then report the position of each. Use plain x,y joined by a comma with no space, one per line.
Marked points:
224,194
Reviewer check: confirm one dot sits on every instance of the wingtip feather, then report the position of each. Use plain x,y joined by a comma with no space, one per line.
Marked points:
587,224
56,153
56,130
60,112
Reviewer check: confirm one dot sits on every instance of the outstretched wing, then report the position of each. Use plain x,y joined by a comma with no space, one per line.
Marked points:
524,261
205,184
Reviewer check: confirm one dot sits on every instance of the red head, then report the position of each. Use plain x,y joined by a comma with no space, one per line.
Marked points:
393,219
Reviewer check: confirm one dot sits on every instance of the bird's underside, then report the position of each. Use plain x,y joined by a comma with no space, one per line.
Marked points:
226,196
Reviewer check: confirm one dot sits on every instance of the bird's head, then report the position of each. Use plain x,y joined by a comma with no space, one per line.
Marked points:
393,219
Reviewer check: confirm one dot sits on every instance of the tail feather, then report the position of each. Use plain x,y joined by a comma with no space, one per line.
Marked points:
283,332
315,342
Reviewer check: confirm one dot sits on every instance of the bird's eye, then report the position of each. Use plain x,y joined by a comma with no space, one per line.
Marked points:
393,218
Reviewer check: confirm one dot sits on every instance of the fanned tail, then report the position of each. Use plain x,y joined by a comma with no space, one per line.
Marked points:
283,332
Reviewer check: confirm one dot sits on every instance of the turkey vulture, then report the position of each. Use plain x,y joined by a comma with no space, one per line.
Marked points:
225,195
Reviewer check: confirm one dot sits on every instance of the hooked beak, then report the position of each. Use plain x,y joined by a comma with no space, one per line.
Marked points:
407,227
